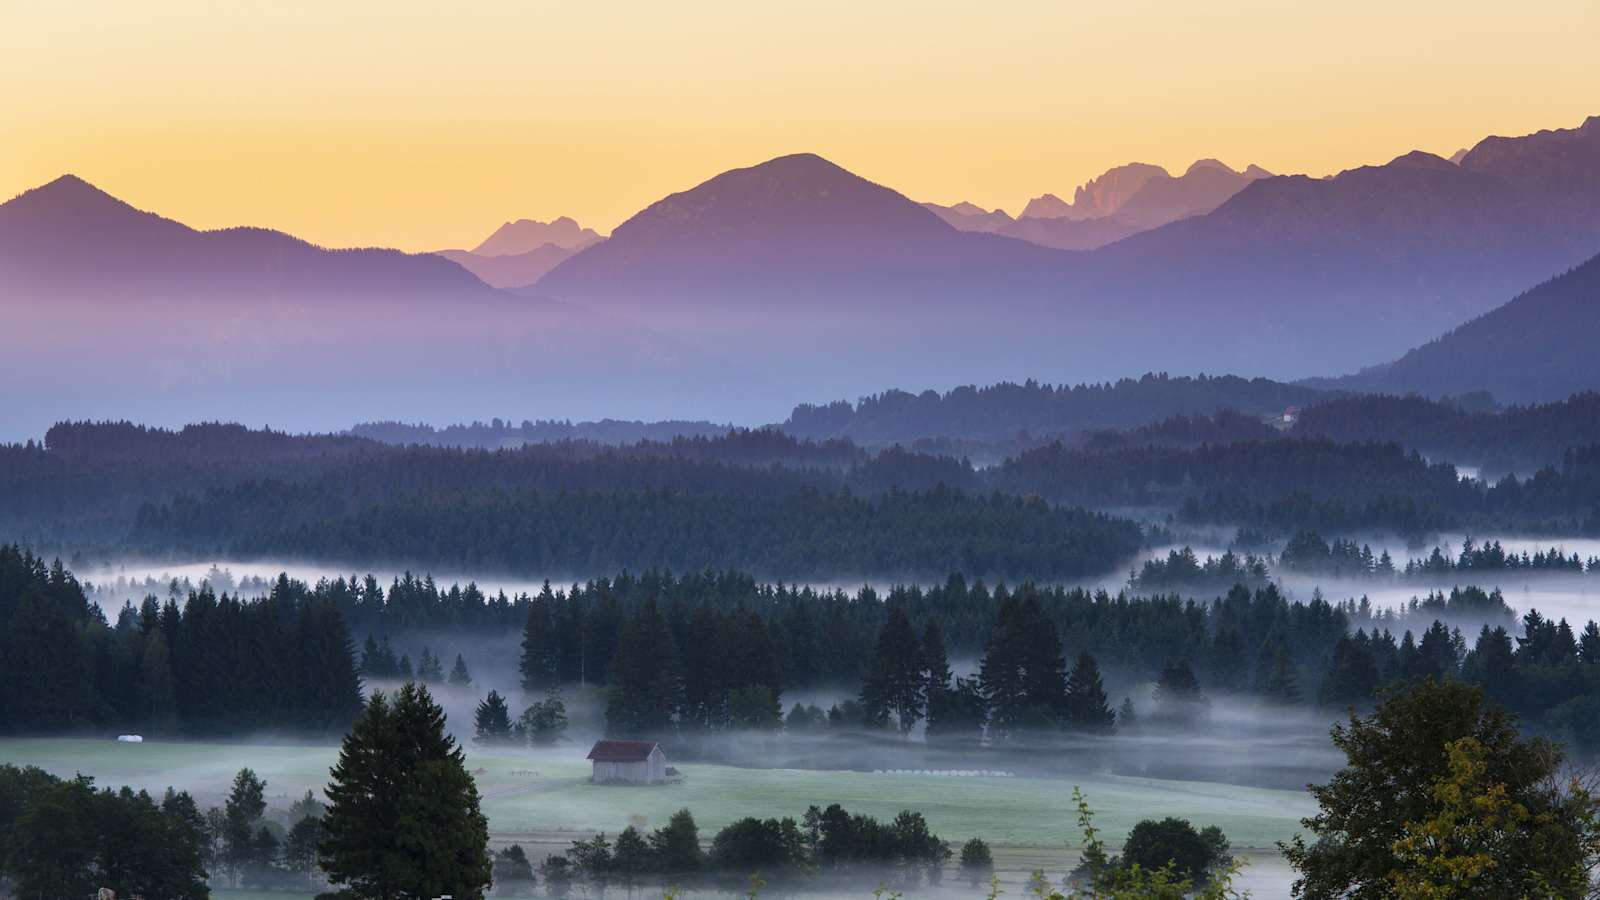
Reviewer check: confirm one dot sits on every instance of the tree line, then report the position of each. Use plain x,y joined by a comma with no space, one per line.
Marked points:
808,533
211,664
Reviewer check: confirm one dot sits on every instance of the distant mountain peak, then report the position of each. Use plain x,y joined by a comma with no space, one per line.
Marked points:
1201,164
526,235
1421,159
1046,206
1255,171
69,191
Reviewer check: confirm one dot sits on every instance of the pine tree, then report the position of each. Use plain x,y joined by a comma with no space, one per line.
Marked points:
459,676
1127,716
1178,696
646,691
1087,707
429,669
245,805
1589,644
491,722
896,685
1278,683
403,816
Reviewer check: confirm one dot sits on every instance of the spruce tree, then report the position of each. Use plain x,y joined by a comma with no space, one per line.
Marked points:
895,683
244,808
403,819
459,677
491,722
645,690
1087,705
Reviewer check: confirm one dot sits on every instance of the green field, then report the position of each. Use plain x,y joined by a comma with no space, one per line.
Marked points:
527,793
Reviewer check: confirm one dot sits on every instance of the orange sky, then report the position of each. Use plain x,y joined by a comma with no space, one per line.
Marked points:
407,124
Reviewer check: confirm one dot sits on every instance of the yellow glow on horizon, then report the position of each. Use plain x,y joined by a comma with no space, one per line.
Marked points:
419,126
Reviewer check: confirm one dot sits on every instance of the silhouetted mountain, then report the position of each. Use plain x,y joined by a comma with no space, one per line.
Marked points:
521,252
966,216
524,235
798,266
69,239
796,236
1066,233
1138,196
1105,195
1538,347
1046,206
112,311
1370,261
1200,189
513,270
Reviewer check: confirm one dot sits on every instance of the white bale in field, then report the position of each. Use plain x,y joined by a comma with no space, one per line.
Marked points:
130,738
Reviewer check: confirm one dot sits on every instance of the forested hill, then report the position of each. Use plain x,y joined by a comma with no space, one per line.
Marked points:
999,413
496,433
768,502
1468,430
1537,347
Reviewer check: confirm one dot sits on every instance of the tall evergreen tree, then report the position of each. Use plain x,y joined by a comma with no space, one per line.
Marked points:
896,684
491,722
403,819
459,676
1088,709
644,695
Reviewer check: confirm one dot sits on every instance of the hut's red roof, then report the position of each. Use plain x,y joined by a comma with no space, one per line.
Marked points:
621,751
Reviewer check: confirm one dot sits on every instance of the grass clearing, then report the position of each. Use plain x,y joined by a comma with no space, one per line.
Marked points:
547,791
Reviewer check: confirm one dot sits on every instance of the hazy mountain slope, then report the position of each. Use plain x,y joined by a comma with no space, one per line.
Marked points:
796,237
512,270
1371,260
116,313
966,216
1139,197
68,238
1200,189
524,235
1538,347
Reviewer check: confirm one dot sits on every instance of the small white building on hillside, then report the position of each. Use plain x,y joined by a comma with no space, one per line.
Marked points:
628,762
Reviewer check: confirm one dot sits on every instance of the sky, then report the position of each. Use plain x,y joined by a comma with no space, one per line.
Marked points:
422,126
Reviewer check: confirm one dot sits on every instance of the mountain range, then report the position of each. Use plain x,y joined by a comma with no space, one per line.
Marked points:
1124,201
116,312
797,263
1537,347
771,285
519,253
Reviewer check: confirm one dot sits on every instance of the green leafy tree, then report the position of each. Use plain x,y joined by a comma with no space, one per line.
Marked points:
630,858
544,723
1439,792
676,845
1192,855
403,817
976,862
513,874
300,847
